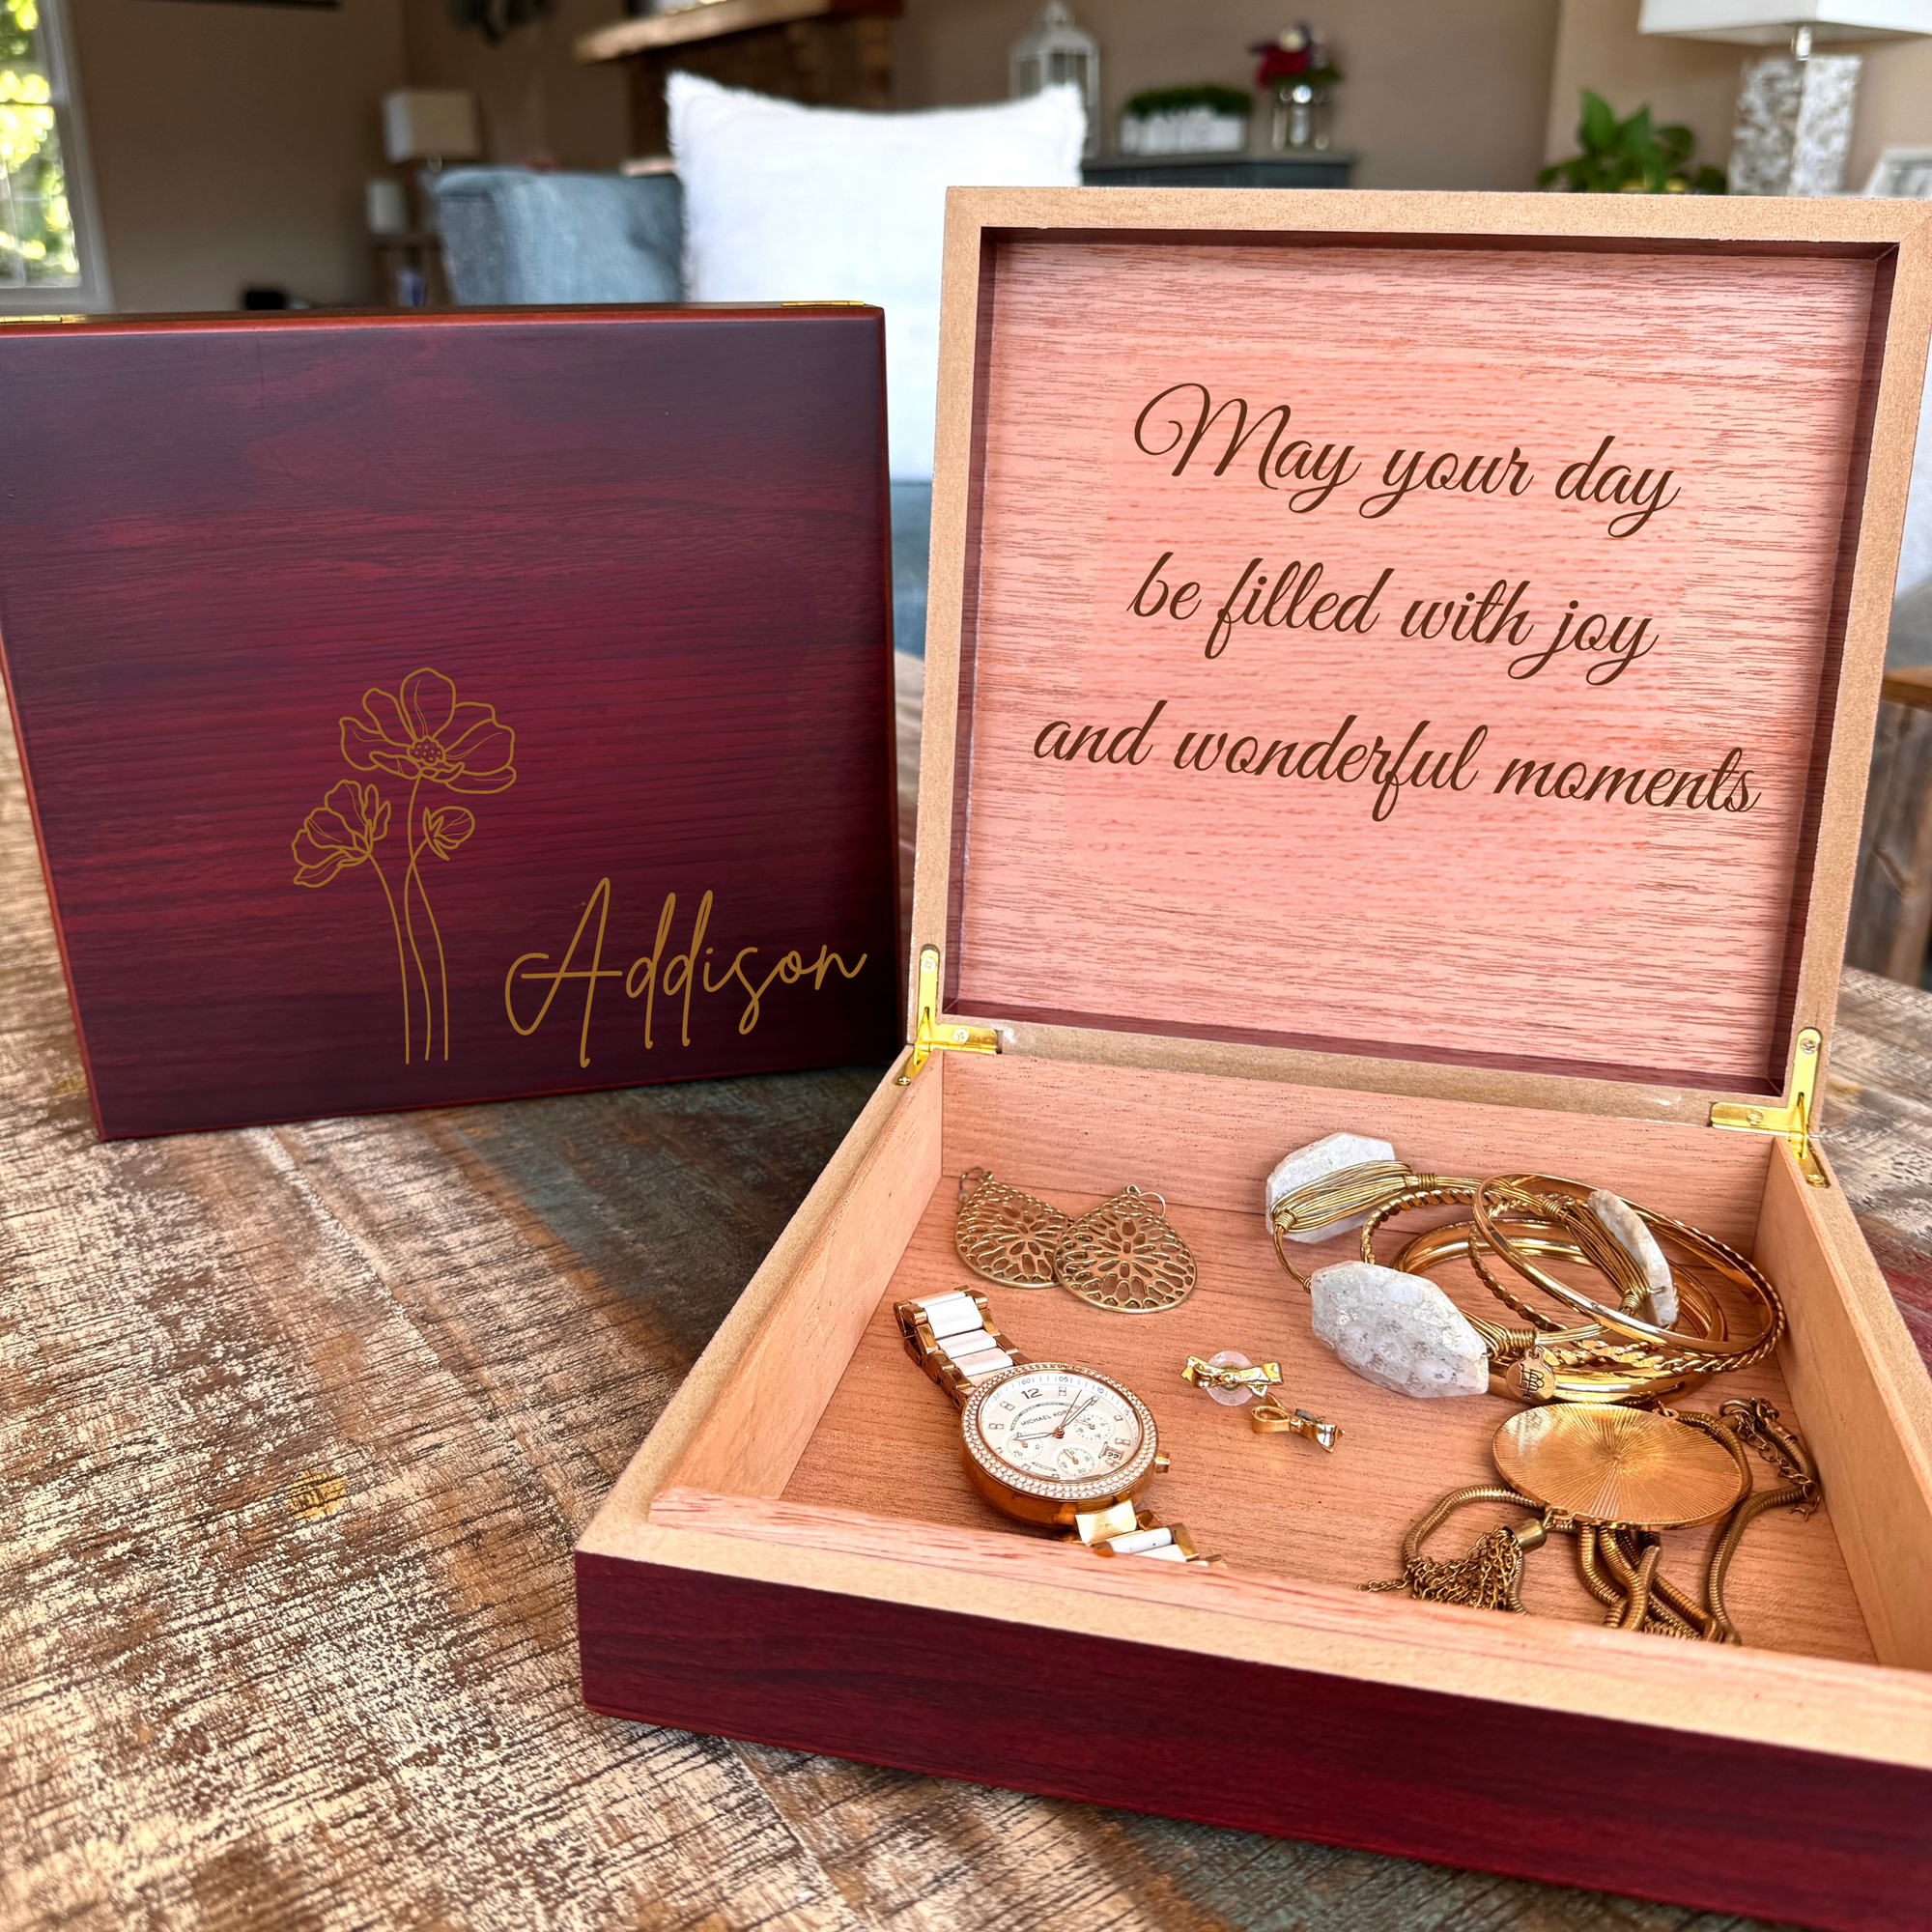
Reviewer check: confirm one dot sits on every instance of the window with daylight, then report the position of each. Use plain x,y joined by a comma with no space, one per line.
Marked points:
48,250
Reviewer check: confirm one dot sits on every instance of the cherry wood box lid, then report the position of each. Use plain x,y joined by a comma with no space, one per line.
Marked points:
1617,878
426,708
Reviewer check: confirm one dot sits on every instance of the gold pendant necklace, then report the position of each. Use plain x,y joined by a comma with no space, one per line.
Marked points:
1615,1479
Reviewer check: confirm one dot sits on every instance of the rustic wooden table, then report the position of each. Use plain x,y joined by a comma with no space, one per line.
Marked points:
297,1427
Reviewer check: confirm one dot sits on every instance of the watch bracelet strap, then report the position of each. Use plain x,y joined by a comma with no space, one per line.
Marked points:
1122,1531
954,1340
952,1337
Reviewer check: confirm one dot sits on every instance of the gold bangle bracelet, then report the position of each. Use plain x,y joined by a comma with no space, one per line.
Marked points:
1439,1191
1339,1197
1626,1279
1580,1364
1458,1241
1564,1201
1591,1377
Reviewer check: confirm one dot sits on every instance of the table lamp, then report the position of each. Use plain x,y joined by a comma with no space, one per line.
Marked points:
432,125
1794,125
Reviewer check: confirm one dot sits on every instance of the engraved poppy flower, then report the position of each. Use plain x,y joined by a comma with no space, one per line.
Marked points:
342,831
420,731
445,827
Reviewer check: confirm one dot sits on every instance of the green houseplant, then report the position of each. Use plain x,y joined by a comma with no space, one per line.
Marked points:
1629,156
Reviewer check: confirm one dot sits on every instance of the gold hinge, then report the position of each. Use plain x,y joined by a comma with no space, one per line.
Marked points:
1794,1118
928,1036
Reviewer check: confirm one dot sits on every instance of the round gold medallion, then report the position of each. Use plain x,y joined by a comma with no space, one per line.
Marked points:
1605,1465
1125,1257
1005,1235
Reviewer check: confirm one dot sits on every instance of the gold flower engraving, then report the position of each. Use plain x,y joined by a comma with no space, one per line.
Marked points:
445,827
420,734
341,830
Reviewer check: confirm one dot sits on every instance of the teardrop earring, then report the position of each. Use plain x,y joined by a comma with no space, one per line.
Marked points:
1005,1235
1125,1257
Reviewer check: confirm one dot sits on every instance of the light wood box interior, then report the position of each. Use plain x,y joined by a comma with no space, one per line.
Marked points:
823,1455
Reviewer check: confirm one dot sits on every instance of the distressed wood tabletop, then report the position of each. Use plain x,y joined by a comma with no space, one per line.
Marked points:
297,1426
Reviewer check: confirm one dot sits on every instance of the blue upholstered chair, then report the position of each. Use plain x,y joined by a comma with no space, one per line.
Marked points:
512,237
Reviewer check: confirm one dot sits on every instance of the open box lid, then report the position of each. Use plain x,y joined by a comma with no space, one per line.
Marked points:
1426,642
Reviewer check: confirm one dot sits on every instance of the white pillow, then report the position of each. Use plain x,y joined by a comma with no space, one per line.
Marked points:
784,203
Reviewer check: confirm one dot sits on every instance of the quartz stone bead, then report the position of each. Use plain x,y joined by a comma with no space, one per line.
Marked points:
1311,1162
1399,1331
1640,1244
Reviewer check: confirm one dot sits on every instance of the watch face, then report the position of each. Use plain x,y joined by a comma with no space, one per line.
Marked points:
1054,1429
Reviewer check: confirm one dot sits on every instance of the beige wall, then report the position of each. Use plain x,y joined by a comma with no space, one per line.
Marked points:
1697,82
1438,95
230,144
535,99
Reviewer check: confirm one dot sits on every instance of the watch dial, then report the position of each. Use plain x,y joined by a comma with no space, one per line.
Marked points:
1060,1426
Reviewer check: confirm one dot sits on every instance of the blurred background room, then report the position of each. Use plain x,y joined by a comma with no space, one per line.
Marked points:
212,154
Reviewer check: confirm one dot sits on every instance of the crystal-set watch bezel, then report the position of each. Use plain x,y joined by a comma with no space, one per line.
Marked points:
1093,1488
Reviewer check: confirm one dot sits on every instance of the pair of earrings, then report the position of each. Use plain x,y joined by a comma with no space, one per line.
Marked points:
1122,1256
1232,1379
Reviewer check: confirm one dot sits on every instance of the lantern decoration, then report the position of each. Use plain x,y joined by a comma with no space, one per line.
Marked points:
1056,53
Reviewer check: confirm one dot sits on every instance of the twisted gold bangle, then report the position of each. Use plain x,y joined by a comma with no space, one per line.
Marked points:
1439,1191
1579,1364
1613,1355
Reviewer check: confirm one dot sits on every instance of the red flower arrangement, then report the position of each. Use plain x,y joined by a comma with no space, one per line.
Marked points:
1295,55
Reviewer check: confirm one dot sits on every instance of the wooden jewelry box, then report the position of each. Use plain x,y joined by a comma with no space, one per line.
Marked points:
1220,474
434,706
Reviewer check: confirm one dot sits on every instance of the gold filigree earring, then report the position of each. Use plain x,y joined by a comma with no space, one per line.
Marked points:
1125,1258
1005,1235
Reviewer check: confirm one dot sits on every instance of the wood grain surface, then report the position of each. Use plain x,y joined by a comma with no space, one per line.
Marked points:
297,1427
1891,900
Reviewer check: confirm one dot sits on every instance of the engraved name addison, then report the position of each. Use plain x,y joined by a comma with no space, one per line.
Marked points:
674,975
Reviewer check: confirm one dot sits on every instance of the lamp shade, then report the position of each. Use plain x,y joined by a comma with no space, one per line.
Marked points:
430,124
1772,23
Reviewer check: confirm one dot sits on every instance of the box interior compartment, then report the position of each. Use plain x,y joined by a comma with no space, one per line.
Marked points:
858,1429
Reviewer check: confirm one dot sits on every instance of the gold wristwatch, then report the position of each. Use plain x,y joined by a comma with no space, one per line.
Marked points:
1049,1442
